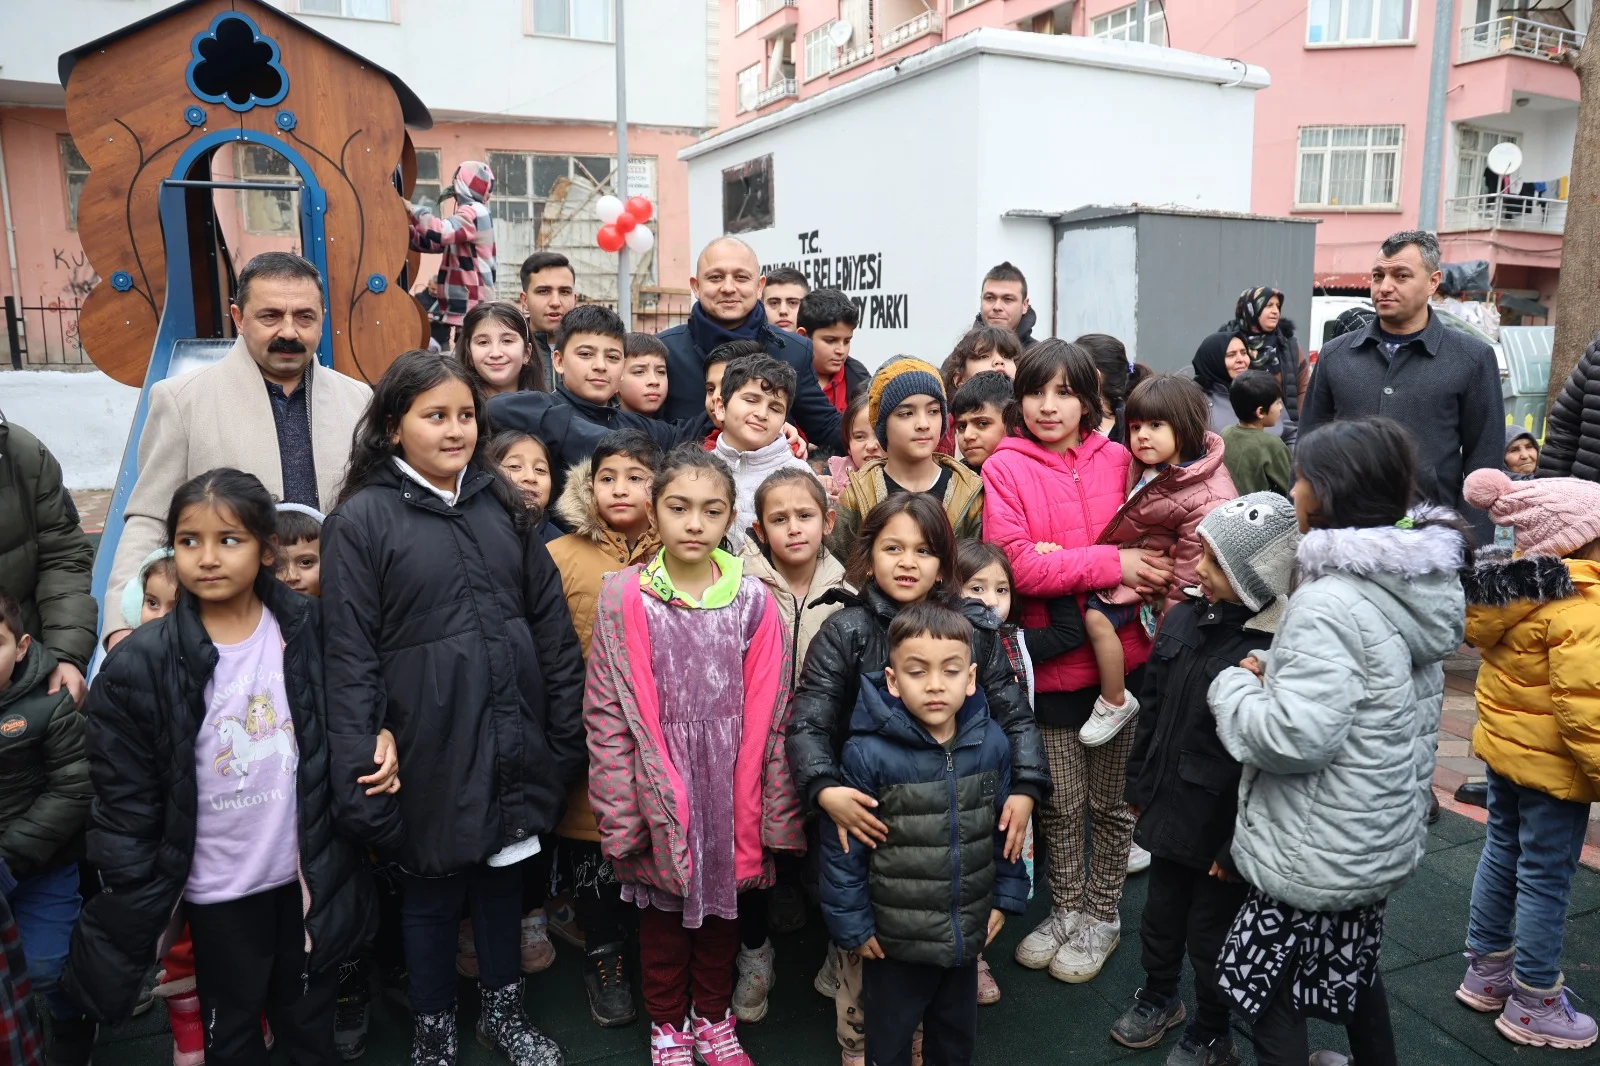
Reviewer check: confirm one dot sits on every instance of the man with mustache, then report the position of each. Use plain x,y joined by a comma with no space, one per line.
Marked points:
267,408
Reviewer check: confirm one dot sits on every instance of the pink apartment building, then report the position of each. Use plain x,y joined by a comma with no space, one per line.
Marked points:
534,96
1338,136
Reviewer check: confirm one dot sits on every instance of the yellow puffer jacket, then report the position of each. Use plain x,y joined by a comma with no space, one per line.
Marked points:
584,557
1537,621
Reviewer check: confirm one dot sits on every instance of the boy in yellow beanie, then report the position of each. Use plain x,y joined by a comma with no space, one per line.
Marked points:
907,409
1536,618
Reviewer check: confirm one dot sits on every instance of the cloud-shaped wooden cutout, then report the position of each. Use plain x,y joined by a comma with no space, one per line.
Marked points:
233,63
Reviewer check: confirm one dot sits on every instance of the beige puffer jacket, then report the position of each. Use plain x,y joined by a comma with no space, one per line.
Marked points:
800,621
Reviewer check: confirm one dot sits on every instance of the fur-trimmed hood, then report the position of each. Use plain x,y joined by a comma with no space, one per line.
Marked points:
578,509
1413,574
1534,578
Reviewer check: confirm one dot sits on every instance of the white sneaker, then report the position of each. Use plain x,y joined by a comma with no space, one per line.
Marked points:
1138,859
1086,951
827,980
1039,947
1107,721
755,981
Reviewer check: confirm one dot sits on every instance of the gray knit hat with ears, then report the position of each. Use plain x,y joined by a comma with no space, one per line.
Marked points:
1254,539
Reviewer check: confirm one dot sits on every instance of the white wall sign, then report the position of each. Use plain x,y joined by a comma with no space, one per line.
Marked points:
859,275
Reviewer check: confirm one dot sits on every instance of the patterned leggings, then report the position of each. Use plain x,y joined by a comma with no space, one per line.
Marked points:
1092,782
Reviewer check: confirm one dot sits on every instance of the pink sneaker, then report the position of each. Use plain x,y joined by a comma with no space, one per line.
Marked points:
717,1043
537,951
1487,985
988,991
671,1046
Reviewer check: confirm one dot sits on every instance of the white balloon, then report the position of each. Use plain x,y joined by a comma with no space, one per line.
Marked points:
640,239
609,207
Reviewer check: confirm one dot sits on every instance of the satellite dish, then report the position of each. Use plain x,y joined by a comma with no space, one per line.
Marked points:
840,33
1504,158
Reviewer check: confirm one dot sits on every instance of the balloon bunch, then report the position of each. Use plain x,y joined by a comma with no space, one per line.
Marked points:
624,224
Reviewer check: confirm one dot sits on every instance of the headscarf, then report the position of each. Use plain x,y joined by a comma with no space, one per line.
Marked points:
1211,362
1248,311
474,181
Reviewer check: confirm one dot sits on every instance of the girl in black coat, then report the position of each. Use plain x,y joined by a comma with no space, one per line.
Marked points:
208,750
447,624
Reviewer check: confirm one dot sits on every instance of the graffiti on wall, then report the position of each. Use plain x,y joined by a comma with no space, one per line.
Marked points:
80,276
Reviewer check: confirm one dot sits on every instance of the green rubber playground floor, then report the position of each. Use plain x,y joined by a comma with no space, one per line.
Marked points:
1040,1020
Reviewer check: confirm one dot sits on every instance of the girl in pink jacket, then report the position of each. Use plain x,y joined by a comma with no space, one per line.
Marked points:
1176,478
1048,492
684,709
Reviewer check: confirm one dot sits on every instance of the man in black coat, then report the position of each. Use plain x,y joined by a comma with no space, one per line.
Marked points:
1572,430
727,287
1442,385
1003,303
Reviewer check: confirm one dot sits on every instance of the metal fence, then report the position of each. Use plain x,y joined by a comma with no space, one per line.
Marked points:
43,335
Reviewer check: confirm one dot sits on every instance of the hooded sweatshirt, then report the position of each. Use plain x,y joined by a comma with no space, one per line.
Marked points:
750,469
1338,741
465,243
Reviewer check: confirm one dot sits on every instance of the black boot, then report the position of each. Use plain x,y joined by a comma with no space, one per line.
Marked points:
350,1016
610,995
503,1027
68,1041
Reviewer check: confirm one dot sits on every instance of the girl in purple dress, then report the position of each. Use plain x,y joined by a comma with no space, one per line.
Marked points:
684,708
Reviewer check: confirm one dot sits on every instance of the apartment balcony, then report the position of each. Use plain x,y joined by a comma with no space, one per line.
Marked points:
1531,214
926,24
1512,36
748,13
781,89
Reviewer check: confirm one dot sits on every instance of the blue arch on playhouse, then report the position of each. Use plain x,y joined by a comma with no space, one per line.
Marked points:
178,323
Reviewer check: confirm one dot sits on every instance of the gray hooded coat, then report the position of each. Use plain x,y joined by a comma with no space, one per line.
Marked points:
1338,742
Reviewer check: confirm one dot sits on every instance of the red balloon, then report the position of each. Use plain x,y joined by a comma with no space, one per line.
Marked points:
625,223
639,208
609,239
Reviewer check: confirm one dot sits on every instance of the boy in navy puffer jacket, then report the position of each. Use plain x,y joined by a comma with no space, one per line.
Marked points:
940,769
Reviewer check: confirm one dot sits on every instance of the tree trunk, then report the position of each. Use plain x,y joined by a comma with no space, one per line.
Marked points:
1578,291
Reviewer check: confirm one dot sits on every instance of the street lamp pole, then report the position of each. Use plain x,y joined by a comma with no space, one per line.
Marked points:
620,179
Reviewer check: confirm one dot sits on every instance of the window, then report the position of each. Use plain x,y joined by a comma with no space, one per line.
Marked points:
819,52
1119,25
76,172
1359,21
376,10
749,87
588,20
962,5
1472,159
1349,166
747,196
269,213
429,184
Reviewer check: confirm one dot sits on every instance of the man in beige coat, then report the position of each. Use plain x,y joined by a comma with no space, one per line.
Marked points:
267,408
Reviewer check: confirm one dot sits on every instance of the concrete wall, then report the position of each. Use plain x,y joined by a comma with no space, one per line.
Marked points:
83,418
921,164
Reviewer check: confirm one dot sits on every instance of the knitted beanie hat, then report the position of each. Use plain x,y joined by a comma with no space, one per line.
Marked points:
896,382
1552,516
1254,539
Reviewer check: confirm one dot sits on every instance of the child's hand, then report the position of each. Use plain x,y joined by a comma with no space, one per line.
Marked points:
1014,823
1045,547
387,778
849,810
1255,666
797,443
1218,872
870,950
997,922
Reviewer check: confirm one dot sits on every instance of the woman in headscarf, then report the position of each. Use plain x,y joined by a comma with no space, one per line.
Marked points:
1270,340
1220,358
465,244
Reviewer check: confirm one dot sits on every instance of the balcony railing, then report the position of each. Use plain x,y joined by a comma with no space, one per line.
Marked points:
1518,36
749,12
909,30
1500,211
821,57
777,91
